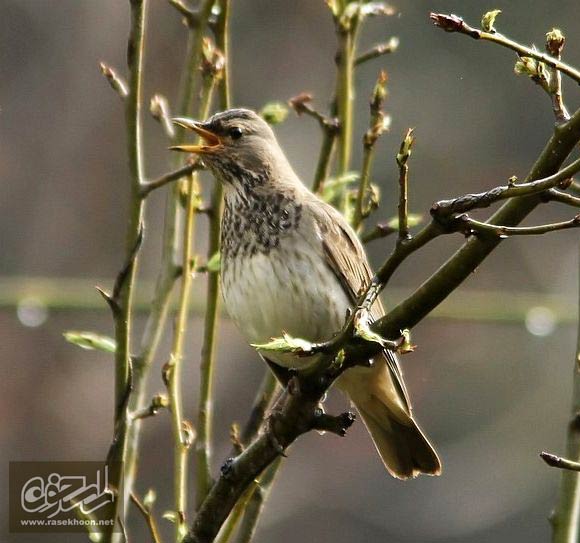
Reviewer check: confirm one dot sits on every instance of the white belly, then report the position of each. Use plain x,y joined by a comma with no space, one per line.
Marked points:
288,290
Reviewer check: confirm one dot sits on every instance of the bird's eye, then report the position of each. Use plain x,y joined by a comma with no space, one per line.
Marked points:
236,133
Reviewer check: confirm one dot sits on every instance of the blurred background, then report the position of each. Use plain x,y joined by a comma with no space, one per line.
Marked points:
491,378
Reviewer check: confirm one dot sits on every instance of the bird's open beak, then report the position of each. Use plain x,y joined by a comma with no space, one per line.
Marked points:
211,142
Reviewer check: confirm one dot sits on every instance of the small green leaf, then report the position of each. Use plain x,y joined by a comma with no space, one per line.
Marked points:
274,113
488,20
406,346
214,263
285,344
91,341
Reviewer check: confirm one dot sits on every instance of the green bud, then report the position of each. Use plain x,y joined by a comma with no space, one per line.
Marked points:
91,341
149,499
406,148
555,41
274,113
488,20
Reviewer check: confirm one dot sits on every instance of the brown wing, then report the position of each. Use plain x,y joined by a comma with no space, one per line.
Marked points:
347,259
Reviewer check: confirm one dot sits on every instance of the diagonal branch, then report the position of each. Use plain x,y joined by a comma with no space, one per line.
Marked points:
453,23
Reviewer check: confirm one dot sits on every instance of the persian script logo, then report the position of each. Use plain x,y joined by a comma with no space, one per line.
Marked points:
62,496
63,493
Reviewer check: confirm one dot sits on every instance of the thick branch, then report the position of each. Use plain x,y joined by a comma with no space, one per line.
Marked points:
460,266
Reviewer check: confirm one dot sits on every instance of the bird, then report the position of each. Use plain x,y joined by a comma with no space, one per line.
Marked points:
291,263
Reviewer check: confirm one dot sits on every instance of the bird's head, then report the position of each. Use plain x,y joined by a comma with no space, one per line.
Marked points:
237,145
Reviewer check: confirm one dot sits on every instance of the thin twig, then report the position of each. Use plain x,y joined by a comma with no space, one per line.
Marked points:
256,503
169,271
207,362
555,195
170,177
377,51
453,23
558,462
565,519
402,162
554,46
329,126
181,443
149,518
463,223
377,125
123,294
485,199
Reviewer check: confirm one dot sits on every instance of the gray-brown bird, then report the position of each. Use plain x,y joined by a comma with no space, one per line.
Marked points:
291,263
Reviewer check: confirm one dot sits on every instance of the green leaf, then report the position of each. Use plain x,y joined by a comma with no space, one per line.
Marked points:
488,20
274,113
214,263
285,344
91,341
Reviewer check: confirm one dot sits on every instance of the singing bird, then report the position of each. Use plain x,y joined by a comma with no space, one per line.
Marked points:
291,263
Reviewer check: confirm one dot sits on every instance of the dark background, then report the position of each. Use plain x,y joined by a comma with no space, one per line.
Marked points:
490,393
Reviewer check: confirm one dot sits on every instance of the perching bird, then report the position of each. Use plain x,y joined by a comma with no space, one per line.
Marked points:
291,263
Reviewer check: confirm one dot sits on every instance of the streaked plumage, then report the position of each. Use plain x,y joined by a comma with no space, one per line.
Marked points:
291,263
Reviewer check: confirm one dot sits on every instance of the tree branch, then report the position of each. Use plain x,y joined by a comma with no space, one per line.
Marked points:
170,177
566,516
377,51
123,292
207,362
558,462
453,23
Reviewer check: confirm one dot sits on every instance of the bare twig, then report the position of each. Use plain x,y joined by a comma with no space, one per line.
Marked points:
170,177
554,46
181,442
330,127
453,23
149,518
159,401
123,292
558,462
402,158
377,51
377,125
207,362
463,223
555,195
484,199
565,518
